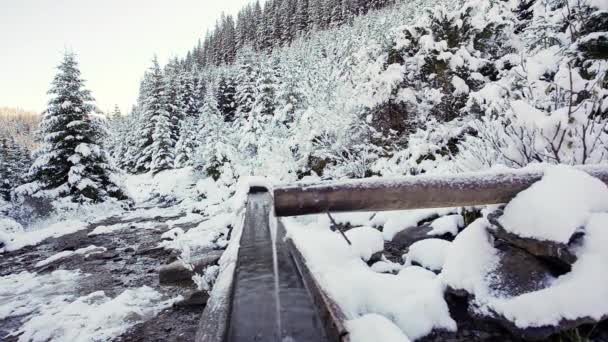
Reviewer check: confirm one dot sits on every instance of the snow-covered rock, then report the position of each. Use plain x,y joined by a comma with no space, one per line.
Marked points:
448,224
429,253
511,284
365,241
555,207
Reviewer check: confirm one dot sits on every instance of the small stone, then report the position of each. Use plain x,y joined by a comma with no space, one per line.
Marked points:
108,255
194,298
178,273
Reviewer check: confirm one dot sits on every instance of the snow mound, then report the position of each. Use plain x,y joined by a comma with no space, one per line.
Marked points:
448,224
94,317
470,257
429,253
413,302
373,327
365,241
555,207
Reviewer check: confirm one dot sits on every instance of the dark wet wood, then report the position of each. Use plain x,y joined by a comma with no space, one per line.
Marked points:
409,192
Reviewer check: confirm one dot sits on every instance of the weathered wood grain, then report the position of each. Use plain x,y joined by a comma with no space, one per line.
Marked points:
416,192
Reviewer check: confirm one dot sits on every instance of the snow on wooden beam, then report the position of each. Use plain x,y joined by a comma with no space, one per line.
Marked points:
415,192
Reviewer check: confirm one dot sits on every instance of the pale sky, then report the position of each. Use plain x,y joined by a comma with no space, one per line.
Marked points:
114,40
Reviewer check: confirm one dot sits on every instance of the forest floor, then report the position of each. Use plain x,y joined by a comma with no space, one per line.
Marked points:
126,256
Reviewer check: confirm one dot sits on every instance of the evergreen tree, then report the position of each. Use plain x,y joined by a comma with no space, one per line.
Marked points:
187,143
156,126
301,20
70,161
162,147
225,96
14,163
174,97
246,83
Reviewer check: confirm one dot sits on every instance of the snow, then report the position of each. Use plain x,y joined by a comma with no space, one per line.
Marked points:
172,234
34,237
460,86
94,317
10,226
117,227
178,183
470,257
385,266
374,327
448,224
577,294
211,190
429,253
108,229
414,303
365,241
554,208
65,254
24,293
396,221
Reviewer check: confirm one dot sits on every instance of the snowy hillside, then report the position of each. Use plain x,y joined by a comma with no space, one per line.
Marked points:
127,227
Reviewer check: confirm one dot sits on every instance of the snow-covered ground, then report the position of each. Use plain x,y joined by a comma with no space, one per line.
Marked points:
103,286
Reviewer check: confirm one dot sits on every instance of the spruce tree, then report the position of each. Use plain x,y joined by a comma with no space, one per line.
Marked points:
70,161
156,138
187,143
225,96
246,83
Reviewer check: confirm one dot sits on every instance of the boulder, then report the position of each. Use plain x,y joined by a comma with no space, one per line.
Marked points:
560,255
194,298
517,272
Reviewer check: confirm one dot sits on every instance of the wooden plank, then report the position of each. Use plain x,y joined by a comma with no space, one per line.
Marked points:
416,192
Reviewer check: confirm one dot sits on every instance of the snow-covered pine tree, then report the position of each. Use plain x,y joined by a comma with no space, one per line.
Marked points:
187,143
7,171
70,162
214,150
130,142
155,133
245,83
189,99
225,95
301,20
163,144
174,97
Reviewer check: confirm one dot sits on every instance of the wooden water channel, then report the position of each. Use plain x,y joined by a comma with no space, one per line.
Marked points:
274,297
